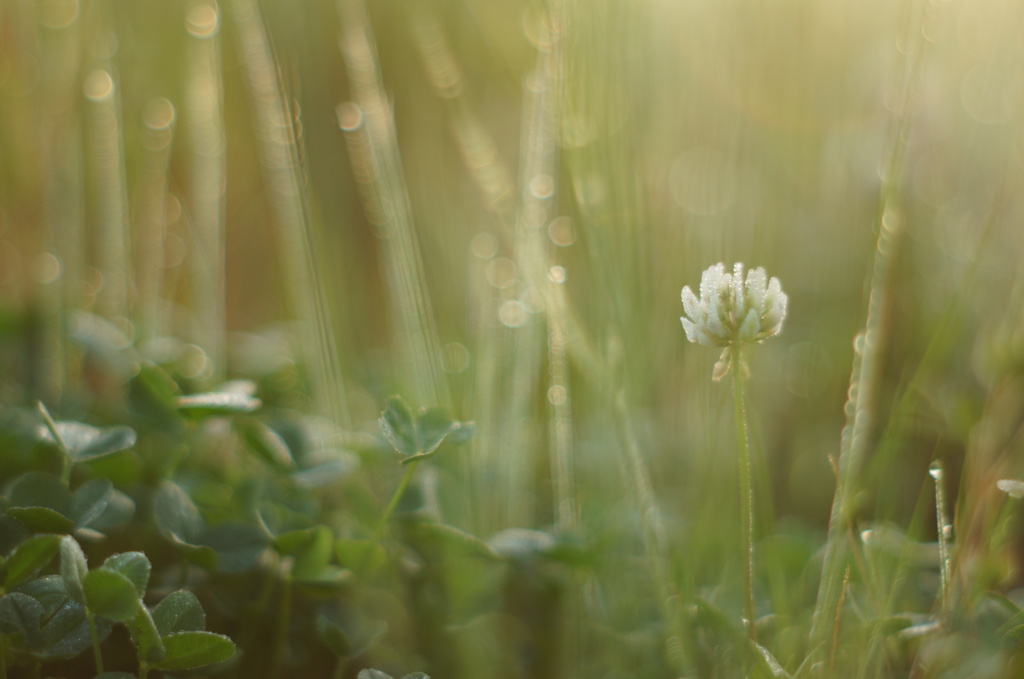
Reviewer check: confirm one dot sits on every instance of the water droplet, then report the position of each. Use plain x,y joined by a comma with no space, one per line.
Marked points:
98,86
501,272
484,245
513,314
46,268
558,395
58,14
935,470
158,114
193,363
560,232
455,357
349,116
542,186
202,21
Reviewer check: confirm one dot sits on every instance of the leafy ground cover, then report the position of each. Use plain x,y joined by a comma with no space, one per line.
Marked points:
342,339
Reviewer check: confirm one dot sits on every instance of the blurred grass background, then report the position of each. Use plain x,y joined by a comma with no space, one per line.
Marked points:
493,207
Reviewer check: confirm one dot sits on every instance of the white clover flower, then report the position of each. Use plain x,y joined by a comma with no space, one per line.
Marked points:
733,311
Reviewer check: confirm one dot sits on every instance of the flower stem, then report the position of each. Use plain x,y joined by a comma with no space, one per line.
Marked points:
94,634
739,380
399,492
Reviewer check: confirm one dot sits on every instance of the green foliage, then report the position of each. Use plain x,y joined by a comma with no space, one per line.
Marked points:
419,435
490,207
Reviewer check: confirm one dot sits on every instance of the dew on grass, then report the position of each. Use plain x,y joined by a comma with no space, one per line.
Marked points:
484,245
513,314
501,272
349,115
158,114
57,14
194,364
560,232
98,86
202,21
542,186
46,268
455,358
558,395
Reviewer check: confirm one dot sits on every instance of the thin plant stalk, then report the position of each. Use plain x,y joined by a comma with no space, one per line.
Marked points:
654,539
107,158
395,498
943,529
289,200
97,652
739,380
416,332
868,346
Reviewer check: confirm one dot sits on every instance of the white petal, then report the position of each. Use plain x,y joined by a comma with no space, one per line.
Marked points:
691,307
709,282
737,287
689,328
756,281
751,324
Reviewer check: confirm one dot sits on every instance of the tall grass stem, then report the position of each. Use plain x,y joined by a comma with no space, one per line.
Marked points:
204,128
289,200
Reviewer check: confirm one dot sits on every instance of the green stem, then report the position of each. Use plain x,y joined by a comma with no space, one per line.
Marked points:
65,475
399,492
284,615
3,657
739,380
94,634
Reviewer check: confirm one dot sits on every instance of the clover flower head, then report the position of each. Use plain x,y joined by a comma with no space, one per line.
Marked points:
733,310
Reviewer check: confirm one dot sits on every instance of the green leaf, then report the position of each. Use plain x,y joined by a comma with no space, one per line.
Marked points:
90,500
85,442
28,558
462,432
12,532
363,557
398,426
115,675
134,566
266,443
175,513
201,555
1014,637
42,519
458,541
179,611
119,510
335,637
521,543
189,650
146,636
41,502
73,568
21,614
432,426
65,629
416,675
238,546
768,663
311,547
327,581
111,594
236,399
369,673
